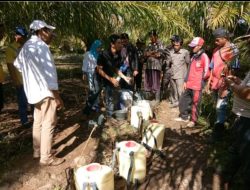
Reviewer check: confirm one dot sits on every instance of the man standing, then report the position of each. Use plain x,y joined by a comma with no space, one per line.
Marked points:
129,68
193,83
155,54
180,59
129,56
11,54
37,66
224,62
108,64
239,152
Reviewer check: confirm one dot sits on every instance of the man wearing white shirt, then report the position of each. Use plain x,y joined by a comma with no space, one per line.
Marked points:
39,74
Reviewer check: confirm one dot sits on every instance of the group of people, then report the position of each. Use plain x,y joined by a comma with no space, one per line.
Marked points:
33,73
118,70
186,78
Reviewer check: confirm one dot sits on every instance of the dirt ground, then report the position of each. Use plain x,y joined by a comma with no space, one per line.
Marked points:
186,166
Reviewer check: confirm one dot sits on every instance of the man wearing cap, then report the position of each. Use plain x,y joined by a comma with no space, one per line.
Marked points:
224,61
1,71
37,66
197,73
11,53
155,53
180,59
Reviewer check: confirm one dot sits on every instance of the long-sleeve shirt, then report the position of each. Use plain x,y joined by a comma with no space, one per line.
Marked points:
180,61
36,64
197,71
218,65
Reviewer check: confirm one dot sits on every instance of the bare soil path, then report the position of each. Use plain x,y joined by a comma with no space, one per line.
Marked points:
186,166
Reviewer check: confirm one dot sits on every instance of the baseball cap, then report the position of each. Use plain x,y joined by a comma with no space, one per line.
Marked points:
221,32
21,31
196,41
38,24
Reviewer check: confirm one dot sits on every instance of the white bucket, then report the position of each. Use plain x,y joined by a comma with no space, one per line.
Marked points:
94,173
138,168
142,106
153,135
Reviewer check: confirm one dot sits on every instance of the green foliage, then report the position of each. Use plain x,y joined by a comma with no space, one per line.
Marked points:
91,20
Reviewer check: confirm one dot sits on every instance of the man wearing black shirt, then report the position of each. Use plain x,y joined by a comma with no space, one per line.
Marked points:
108,65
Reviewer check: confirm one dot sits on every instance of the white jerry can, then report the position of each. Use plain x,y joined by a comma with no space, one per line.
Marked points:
153,135
132,161
142,107
94,176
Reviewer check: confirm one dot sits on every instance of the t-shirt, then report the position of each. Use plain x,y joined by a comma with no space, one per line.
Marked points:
242,107
223,59
110,63
11,54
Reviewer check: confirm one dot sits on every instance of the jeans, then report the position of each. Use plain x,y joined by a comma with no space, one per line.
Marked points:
221,108
111,99
22,104
94,92
93,87
125,99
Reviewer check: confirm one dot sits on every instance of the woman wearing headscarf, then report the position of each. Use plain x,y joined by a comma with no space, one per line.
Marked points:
88,68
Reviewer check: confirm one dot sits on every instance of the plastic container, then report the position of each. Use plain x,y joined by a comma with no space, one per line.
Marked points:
153,135
138,171
142,106
101,175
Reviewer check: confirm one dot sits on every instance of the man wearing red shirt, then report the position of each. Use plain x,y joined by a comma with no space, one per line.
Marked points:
225,61
193,83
